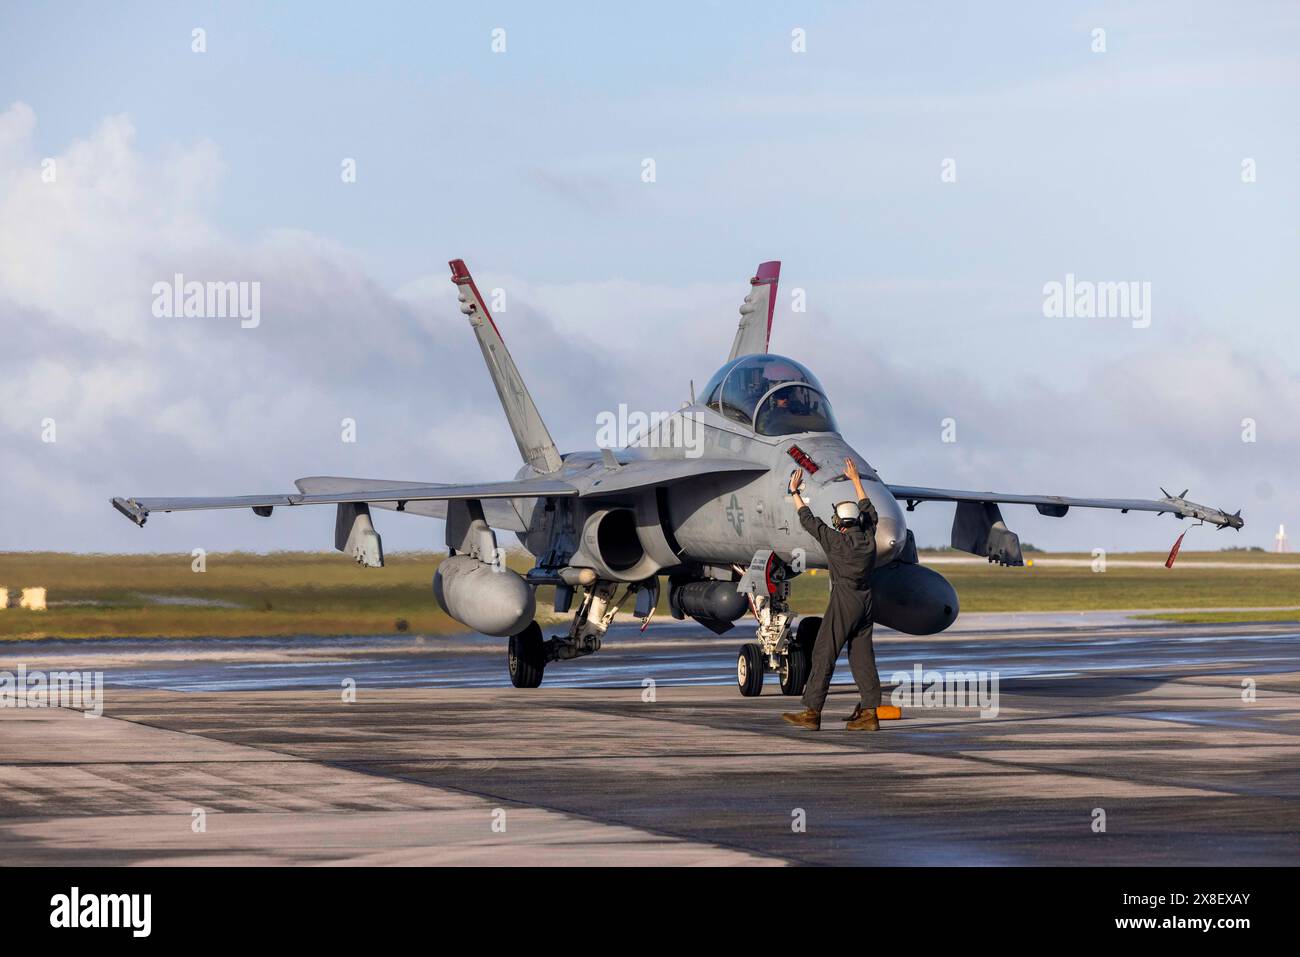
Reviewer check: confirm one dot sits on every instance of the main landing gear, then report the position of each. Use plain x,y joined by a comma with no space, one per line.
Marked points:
526,657
529,653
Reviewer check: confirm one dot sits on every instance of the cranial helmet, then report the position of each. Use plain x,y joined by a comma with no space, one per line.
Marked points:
847,514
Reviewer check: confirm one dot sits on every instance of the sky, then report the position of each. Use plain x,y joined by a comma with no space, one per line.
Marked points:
923,171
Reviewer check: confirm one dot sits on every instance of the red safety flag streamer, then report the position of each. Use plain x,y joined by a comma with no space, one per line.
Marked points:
1173,552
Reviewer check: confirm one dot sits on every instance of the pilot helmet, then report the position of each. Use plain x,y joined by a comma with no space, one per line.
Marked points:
847,514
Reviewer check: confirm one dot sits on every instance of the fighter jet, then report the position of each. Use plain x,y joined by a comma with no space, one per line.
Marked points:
699,500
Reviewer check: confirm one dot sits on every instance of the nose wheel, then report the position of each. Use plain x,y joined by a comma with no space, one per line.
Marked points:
751,666
796,663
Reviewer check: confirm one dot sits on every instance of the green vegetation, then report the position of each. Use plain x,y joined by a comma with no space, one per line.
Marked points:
1047,586
323,593
284,593
1226,617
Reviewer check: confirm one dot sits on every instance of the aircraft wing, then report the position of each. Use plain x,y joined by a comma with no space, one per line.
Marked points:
978,528
1057,505
430,499
499,512
138,509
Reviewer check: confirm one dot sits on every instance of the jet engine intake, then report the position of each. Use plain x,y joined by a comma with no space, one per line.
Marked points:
612,545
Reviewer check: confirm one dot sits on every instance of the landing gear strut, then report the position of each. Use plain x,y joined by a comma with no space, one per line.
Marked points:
529,654
589,625
779,646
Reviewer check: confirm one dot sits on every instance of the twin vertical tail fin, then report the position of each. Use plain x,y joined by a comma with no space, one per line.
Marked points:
534,441
531,435
755,328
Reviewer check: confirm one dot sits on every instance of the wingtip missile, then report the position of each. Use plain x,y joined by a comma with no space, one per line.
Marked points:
1180,506
1203,513
128,507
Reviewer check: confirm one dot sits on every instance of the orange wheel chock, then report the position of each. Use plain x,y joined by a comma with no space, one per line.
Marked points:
889,712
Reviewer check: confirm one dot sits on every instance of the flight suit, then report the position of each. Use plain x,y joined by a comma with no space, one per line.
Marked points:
848,619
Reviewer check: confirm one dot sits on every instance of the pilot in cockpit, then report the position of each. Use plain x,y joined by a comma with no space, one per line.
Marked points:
771,394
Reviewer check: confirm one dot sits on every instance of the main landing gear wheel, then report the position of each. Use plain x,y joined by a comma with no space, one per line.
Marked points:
796,664
527,657
751,663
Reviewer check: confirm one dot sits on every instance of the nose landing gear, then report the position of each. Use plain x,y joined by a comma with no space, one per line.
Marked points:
779,647
793,662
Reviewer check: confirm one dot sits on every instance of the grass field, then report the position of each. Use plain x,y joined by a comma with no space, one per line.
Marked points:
323,593
1227,617
1052,587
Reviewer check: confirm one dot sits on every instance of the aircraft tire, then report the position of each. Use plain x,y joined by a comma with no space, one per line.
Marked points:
806,633
527,657
796,664
750,667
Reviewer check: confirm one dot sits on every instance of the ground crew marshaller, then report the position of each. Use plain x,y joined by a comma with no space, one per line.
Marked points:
850,549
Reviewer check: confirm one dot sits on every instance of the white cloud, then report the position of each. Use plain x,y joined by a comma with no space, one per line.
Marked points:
174,406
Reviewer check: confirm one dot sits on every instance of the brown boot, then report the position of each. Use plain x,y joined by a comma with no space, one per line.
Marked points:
862,719
808,718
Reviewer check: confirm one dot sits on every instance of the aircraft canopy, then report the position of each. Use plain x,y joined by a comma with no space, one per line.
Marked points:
771,394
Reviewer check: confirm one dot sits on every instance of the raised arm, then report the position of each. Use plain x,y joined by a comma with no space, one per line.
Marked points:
869,516
813,525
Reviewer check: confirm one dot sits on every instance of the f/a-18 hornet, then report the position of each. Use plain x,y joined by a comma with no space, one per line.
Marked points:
700,498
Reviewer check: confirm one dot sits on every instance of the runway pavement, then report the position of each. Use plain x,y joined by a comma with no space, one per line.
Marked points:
1140,727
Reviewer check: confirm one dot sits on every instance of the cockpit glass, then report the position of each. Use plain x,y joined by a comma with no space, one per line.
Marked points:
736,389
794,408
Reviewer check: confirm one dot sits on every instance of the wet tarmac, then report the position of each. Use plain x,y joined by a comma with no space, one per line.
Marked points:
671,654
1115,744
